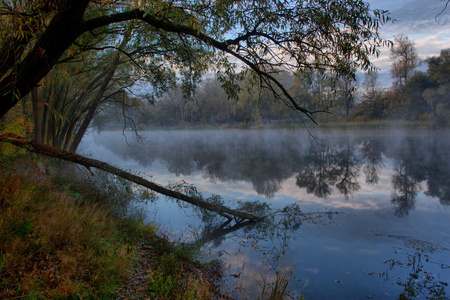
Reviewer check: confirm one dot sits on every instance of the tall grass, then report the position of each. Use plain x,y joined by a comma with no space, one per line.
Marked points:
65,237
53,248
175,275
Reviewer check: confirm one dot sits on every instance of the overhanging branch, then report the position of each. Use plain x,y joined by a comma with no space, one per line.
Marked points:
89,162
182,29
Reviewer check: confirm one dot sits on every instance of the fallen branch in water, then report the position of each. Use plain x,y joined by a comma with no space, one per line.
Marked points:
32,146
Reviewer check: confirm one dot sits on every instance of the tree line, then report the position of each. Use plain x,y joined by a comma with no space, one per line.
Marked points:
414,96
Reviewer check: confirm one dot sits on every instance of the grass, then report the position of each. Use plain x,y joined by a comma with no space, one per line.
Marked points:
175,275
53,248
275,290
61,238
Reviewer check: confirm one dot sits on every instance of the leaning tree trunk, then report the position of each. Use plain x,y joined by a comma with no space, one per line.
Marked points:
96,101
88,162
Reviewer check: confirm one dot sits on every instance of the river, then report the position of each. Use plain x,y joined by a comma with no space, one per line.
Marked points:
375,205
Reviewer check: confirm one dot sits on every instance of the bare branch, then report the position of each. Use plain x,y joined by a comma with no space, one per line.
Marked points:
445,7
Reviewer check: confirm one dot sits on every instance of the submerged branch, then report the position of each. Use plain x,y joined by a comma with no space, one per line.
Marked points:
89,162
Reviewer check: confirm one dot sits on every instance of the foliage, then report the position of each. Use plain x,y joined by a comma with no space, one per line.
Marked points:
423,98
18,123
437,93
405,60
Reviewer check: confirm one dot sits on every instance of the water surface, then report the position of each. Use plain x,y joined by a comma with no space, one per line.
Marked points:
382,197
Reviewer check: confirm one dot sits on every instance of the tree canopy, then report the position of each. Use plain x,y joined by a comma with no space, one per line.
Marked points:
187,37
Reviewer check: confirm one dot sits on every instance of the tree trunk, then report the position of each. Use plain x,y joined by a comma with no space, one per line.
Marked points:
59,35
88,162
37,115
96,102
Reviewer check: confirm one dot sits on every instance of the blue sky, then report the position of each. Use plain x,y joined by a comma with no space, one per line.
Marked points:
417,20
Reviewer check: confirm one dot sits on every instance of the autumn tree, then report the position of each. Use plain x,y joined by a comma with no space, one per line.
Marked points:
437,95
372,105
346,87
405,60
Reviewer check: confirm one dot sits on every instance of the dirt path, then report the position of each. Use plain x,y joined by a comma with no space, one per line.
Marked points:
135,288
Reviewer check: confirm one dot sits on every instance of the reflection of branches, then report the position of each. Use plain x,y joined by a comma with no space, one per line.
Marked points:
319,173
409,172
268,161
277,226
371,151
421,282
328,166
315,183
403,203
438,173
218,233
349,169
407,187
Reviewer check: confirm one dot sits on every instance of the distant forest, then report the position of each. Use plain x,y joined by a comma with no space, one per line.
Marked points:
414,96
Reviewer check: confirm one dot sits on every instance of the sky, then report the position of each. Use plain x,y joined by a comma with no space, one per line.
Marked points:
417,20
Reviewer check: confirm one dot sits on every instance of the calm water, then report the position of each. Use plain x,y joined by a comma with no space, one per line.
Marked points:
379,204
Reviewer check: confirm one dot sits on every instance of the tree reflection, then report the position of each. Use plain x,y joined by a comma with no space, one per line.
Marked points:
348,165
406,190
409,172
318,173
266,159
371,153
327,166
438,172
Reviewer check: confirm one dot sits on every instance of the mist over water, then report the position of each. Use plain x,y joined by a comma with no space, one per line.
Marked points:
391,188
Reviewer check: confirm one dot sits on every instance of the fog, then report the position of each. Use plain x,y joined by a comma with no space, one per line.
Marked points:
321,163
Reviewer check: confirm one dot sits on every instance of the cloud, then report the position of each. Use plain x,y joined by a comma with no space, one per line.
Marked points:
417,20
432,45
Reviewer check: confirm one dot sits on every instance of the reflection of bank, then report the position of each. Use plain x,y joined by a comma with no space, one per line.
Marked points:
331,168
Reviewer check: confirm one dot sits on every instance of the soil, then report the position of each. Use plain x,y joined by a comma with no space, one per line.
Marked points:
135,288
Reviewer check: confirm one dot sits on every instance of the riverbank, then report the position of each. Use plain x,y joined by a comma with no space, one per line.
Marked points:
344,125
64,237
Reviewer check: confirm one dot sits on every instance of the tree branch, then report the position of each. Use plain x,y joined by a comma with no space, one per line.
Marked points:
181,29
88,163
445,7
